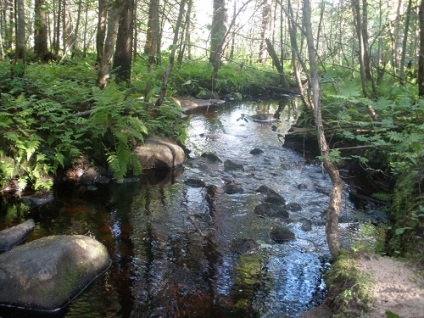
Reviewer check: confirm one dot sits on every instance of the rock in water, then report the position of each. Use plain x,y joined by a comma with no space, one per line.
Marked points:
15,235
160,153
48,273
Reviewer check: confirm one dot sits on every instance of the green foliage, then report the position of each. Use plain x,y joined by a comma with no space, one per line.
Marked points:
386,136
116,125
195,76
55,113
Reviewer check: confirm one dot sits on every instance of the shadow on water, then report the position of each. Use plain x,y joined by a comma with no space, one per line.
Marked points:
183,245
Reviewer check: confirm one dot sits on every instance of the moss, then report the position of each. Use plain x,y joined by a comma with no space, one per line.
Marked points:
350,289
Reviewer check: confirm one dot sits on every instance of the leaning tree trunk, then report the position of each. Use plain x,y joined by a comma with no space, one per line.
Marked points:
332,223
277,63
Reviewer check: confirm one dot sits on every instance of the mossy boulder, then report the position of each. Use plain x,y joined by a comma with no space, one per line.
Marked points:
48,273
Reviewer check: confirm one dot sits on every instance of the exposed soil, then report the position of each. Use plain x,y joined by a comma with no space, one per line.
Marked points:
398,288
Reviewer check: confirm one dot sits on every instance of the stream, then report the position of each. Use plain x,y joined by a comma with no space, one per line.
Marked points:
198,242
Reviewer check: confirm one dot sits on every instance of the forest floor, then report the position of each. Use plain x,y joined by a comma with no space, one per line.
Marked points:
398,288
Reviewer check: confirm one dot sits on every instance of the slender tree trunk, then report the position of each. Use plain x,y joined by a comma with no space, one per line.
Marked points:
135,35
266,21
58,23
20,31
218,30
84,50
185,38
74,44
421,55
109,45
332,223
101,30
123,52
404,43
165,77
40,30
277,64
364,56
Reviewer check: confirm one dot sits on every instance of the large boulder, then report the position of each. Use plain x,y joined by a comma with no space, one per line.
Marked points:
15,235
46,274
160,153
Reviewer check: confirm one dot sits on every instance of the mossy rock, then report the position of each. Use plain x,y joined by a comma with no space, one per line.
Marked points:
282,234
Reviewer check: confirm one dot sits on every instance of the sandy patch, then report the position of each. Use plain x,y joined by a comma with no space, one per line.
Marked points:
397,287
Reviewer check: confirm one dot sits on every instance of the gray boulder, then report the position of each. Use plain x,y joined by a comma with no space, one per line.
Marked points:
48,273
15,235
160,153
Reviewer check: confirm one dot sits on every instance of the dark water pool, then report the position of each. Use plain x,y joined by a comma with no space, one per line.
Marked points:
183,246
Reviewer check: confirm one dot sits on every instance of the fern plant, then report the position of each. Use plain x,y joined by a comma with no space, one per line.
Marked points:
116,124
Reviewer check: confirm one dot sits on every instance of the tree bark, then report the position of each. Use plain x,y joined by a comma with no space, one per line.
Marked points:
332,223
20,31
266,22
219,18
40,30
101,30
153,28
421,55
404,43
104,67
123,52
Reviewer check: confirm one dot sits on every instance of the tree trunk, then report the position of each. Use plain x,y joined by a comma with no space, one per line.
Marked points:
20,31
74,44
421,55
219,18
101,30
277,64
153,28
185,39
57,28
104,67
165,77
364,55
332,223
123,52
40,30
404,43
266,21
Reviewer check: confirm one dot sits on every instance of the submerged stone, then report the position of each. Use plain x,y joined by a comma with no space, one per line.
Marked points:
48,273
271,210
15,235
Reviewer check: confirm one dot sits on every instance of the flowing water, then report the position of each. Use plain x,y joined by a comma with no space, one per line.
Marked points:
189,244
